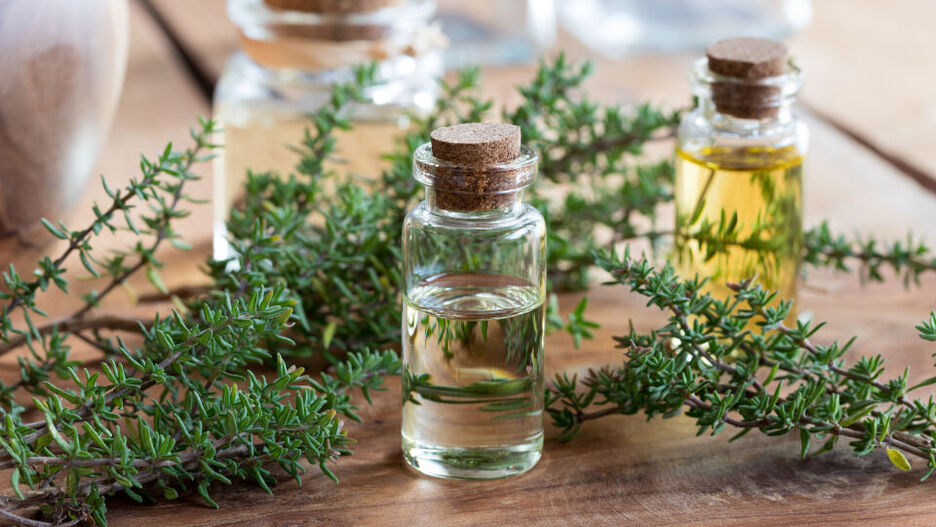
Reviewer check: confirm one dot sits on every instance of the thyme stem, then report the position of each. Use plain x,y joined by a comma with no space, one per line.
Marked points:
71,324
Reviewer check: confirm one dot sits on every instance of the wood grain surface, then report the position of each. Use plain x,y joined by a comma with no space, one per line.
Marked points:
871,70
622,470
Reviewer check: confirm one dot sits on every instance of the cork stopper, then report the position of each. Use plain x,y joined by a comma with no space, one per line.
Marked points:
476,166
747,58
476,144
332,7
746,61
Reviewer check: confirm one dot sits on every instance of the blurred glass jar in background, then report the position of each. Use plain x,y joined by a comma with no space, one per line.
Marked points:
494,32
617,27
292,53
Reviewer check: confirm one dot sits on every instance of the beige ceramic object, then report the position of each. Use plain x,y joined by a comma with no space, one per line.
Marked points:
62,65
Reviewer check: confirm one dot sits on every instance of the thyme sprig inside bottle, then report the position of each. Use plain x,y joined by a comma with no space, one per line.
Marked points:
739,165
473,317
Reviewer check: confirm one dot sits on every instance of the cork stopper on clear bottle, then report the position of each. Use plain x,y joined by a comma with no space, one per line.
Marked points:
748,76
475,166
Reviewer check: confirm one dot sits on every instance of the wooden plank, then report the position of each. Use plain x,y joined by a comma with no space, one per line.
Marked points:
870,67
622,469
158,104
203,28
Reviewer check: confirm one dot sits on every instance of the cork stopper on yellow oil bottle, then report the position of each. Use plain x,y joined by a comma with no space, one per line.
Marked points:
744,67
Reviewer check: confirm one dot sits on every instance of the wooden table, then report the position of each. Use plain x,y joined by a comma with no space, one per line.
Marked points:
871,108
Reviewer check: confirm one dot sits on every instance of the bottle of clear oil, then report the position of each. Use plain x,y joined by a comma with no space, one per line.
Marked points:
739,162
473,315
292,54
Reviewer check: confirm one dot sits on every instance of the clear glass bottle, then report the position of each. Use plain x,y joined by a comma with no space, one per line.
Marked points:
289,62
740,155
473,321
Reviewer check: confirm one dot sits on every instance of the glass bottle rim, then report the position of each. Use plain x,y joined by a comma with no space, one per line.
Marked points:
437,173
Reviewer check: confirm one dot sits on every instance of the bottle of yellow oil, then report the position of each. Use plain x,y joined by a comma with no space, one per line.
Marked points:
739,170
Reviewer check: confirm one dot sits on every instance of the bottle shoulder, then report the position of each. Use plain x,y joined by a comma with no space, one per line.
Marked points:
403,83
699,131
526,218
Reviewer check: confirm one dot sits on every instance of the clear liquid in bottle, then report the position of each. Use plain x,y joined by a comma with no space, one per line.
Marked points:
473,375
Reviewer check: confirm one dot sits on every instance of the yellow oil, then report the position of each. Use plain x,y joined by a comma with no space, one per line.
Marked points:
267,141
763,187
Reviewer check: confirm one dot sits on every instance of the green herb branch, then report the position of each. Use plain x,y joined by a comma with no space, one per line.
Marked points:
683,367
185,408
908,259
160,188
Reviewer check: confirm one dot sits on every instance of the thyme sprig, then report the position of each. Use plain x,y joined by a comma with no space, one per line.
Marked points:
185,408
161,190
684,367
590,154
907,259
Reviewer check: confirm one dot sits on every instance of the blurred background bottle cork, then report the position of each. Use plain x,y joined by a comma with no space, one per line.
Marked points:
336,7
474,181
746,61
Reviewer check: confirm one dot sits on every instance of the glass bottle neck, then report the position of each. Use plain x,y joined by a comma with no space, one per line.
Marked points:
726,123
504,205
745,107
474,192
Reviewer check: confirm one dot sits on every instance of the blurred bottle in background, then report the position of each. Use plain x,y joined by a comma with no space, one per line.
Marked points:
617,27
292,53
495,32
